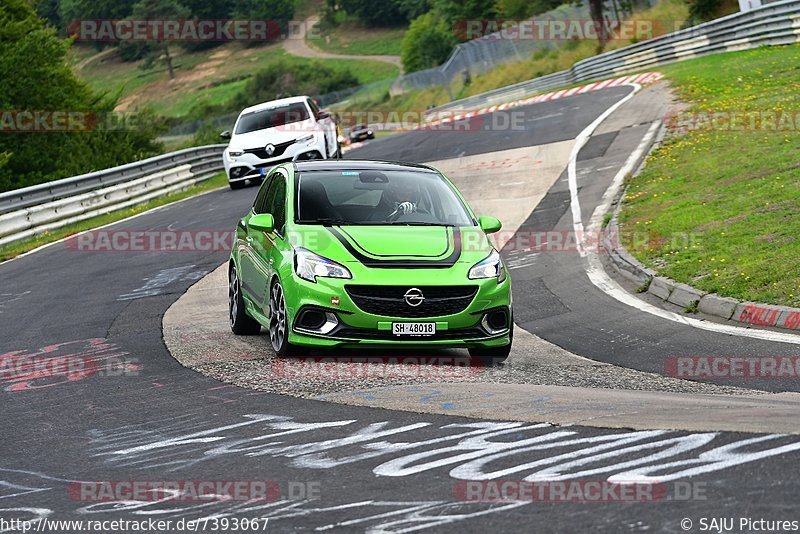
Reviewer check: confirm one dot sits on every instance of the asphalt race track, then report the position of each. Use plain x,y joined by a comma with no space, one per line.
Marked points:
131,412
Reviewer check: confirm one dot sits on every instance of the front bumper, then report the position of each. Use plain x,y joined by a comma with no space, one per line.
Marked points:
250,167
353,327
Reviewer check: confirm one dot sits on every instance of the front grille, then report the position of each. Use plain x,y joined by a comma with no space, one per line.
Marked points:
390,300
261,153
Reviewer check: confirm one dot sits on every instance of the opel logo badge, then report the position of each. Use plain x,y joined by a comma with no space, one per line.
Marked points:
414,297
270,148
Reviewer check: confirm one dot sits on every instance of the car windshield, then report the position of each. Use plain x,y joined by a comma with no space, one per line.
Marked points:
387,197
272,118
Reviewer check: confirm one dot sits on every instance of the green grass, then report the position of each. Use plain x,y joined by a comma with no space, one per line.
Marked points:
221,79
26,245
722,208
305,8
353,37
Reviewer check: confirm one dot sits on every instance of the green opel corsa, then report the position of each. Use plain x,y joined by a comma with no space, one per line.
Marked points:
348,254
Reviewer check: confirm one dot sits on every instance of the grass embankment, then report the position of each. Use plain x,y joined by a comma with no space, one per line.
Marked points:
351,36
207,77
26,245
735,194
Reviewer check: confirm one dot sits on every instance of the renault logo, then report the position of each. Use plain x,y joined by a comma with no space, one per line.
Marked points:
270,148
414,297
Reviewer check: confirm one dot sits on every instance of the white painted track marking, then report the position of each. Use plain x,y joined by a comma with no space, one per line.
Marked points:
594,268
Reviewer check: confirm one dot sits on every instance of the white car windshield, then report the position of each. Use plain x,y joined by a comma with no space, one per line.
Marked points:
272,118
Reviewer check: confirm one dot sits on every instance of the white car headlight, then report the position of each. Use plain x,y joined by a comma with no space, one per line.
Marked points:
309,266
233,154
489,267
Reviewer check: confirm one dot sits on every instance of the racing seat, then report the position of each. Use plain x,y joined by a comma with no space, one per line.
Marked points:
315,204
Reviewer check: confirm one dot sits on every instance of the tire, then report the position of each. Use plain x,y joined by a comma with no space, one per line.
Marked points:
241,323
279,322
495,355
236,185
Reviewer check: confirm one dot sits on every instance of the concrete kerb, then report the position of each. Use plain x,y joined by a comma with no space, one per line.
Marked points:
691,299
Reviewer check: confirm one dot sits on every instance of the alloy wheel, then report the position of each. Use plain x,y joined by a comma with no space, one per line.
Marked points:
277,320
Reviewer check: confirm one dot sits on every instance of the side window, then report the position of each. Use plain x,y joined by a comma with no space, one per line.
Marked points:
261,197
314,108
276,202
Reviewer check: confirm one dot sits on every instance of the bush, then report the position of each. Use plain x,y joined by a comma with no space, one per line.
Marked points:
283,79
427,43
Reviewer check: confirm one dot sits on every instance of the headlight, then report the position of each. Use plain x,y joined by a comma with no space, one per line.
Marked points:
233,154
489,267
309,266
369,132
307,139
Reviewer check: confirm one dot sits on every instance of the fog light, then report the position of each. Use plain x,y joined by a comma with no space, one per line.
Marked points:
316,322
495,321
238,172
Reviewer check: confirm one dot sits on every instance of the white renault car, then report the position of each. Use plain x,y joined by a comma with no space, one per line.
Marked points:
291,129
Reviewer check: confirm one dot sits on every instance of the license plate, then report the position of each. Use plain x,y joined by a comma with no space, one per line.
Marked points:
413,329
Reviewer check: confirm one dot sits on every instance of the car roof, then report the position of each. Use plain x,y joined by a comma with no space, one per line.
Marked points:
359,165
274,104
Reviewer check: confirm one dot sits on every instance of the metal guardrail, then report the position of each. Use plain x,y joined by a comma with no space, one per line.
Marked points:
30,211
48,191
776,23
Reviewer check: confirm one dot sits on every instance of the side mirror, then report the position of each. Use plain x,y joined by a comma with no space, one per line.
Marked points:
225,135
263,222
323,115
489,225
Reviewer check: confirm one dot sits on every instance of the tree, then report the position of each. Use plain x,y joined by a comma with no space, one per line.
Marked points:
46,84
596,13
376,13
427,43
73,10
703,10
412,9
455,11
158,49
278,12
522,9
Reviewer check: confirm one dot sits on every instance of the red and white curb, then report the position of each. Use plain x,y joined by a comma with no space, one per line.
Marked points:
644,78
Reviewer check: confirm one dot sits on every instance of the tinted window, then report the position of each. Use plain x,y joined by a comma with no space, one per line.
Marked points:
260,202
272,118
276,202
373,197
314,108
